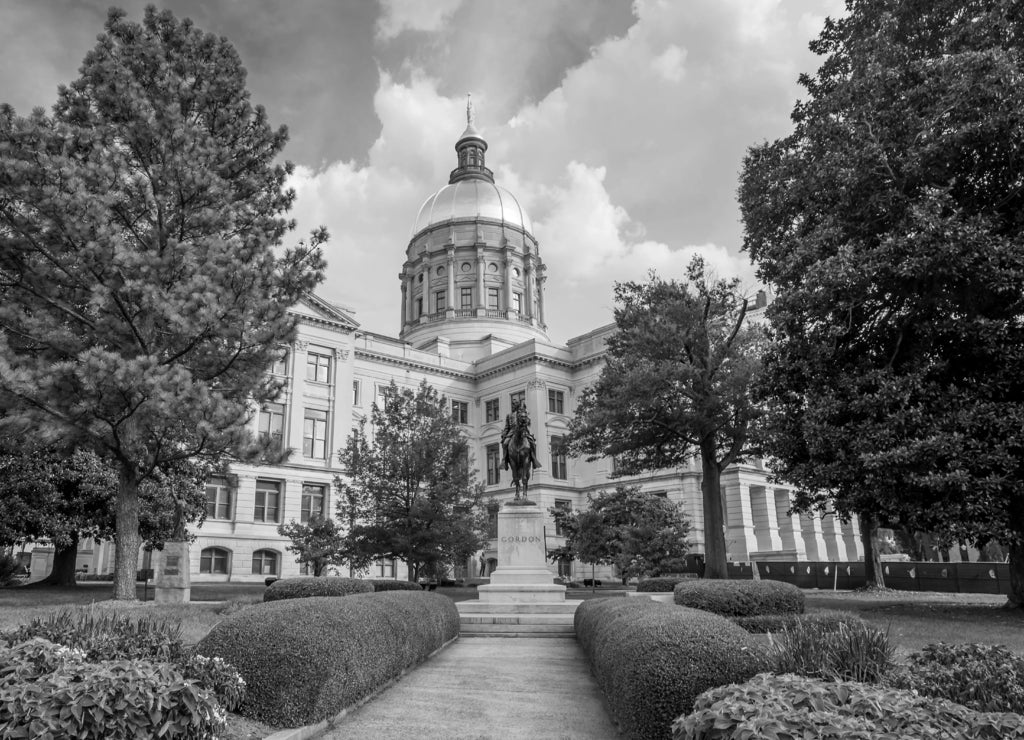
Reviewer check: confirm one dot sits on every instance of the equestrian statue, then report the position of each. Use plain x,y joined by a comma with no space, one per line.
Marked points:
520,449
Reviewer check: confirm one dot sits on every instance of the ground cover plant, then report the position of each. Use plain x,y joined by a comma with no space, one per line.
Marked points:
833,651
791,706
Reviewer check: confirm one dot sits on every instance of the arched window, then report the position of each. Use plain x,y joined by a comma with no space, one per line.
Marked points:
215,560
264,563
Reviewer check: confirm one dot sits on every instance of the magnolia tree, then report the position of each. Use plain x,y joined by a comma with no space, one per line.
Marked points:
889,222
143,294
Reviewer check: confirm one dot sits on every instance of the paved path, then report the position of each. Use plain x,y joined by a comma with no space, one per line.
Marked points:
487,687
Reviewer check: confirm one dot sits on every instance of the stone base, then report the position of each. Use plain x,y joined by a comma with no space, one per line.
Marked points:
521,593
172,595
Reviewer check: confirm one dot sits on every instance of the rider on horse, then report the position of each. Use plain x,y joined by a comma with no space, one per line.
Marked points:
518,416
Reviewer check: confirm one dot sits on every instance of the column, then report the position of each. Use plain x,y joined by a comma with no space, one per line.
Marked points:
789,525
851,538
410,282
541,277
405,301
481,297
814,541
766,522
740,540
296,411
528,282
507,303
833,540
450,266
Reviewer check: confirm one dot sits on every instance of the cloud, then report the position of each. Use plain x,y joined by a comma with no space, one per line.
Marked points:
413,15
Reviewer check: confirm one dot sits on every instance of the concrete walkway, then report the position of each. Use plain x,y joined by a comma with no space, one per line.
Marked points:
488,687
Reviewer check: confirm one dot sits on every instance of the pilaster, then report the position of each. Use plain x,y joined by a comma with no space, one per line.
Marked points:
789,524
766,521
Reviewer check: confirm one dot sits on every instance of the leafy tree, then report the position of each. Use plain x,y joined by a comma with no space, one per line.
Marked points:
676,385
141,298
641,534
320,542
410,492
889,222
47,496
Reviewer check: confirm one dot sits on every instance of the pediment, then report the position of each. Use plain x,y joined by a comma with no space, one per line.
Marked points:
315,309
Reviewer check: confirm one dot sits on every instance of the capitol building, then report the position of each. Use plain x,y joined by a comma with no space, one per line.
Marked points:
470,304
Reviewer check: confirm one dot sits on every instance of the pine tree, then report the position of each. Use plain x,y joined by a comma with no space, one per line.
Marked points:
141,296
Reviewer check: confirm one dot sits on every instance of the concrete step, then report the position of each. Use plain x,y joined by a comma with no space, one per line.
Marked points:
487,607
510,624
516,618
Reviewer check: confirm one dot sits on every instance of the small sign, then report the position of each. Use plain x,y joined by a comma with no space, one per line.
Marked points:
171,565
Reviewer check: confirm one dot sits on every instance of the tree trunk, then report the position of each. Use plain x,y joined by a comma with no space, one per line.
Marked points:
873,574
127,539
1016,595
714,521
63,571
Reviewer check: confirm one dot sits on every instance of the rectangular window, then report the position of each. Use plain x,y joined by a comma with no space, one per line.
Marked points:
492,412
280,366
318,367
355,392
386,568
440,301
492,520
314,434
312,502
465,298
517,302
556,402
493,298
519,396
493,464
272,422
460,412
218,499
268,501
558,467
419,306
565,505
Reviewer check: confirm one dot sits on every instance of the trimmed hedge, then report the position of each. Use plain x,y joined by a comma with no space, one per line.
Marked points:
660,584
384,584
653,659
793,706
740,598
306,660
763,623
308,586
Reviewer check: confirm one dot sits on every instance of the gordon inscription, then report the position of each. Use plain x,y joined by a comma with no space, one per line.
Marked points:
520,539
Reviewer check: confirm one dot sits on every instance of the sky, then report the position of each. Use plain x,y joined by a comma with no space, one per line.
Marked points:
620,127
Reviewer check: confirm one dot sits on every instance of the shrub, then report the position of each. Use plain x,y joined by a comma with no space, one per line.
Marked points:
777,622
51,691
653,659
791,706
301,588
988,678
106,636
384,584
306,660
10,570
831,650
740,598
659,584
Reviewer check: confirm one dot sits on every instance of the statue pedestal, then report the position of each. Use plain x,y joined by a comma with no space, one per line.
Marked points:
171,569
522,575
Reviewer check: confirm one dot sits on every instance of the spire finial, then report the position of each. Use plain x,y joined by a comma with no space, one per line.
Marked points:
469,109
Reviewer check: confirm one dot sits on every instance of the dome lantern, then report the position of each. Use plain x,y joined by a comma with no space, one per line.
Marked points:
470,148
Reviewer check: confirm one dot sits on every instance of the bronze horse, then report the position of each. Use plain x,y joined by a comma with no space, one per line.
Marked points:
519,459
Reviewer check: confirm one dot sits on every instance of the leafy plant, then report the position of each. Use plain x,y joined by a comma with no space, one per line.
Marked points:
789,706
834,651
218,676
988,678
